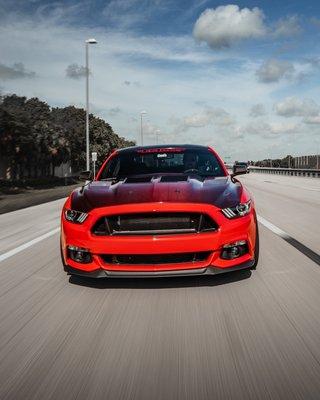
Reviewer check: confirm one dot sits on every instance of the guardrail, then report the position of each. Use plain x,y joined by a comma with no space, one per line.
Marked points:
312,173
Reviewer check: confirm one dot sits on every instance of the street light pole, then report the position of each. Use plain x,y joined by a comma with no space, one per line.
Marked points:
142,113
88,41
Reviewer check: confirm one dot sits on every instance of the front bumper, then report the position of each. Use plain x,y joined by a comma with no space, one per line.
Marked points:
80,235
102,273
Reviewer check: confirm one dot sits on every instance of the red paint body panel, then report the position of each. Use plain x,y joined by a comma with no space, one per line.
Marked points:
230,230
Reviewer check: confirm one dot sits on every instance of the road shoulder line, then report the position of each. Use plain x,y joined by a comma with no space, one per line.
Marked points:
315,257
24,246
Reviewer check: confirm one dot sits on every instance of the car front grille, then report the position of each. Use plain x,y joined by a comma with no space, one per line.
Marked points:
147,259
157,223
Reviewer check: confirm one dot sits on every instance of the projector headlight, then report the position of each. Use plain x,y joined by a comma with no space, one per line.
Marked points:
239,210
76,217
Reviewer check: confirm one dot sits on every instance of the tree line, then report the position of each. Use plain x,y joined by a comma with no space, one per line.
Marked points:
285,162
35,138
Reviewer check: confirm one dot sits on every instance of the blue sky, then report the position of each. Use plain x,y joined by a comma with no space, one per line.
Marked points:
240,76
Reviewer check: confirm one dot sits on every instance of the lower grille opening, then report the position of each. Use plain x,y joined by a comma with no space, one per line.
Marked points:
175,258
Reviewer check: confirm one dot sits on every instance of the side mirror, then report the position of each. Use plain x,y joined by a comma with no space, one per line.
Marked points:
85,176
238,169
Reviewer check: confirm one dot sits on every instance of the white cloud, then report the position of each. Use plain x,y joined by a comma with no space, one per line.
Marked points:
287,27
273,70
152,134
222,26
209,116
210,101
280,128
75,71
114,111
257,110
315,21
17,71
119,6
313,61
162,48
294,107
268,130
129,83
125,14
312,120
225,25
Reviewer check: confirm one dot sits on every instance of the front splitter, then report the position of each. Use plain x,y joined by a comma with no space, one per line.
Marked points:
102,273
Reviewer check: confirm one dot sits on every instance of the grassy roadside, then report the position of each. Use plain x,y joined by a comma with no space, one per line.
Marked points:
12,200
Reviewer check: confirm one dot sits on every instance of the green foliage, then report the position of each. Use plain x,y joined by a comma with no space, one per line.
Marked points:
275,163
35,138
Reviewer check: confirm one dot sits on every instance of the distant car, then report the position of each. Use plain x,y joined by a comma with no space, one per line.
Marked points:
241,165
160,211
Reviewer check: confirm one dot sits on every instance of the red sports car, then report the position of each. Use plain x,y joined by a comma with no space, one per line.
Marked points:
160,211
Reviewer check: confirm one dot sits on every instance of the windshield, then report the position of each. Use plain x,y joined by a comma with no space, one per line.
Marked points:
163,161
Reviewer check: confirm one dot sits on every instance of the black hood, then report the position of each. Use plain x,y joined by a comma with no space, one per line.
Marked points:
221,192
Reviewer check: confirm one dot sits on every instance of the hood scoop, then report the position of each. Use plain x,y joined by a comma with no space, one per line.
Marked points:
163,179
174,178
139,179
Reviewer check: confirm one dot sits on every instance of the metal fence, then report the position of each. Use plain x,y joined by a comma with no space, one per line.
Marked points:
312,162
312,173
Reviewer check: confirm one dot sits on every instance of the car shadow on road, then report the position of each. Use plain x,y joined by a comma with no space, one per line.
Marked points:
159,282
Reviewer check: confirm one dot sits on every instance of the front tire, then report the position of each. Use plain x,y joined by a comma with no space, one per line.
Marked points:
62,257
256,245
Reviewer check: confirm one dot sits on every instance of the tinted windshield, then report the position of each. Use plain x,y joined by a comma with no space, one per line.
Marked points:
163,161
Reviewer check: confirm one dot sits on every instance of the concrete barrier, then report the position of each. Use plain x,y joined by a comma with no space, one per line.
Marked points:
311,173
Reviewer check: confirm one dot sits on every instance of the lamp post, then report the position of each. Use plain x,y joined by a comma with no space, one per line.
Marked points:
88,42
318,152
142,113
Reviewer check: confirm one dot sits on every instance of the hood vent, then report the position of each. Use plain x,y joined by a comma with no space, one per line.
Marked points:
139,179
174,178
161,179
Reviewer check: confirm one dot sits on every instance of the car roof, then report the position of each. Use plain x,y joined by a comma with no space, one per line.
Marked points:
163,146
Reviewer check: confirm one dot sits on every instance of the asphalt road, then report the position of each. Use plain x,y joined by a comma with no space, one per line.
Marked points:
239,336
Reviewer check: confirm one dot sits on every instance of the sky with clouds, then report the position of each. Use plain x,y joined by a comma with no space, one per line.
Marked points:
243,77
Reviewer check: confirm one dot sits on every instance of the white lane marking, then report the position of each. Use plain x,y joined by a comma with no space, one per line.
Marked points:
24,246
315,257
273,228
311,189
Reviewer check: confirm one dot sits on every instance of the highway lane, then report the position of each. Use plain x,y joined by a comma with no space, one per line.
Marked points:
18,227
238,336
291,203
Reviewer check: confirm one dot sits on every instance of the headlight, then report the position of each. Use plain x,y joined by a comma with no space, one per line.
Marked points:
239,210
76,217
